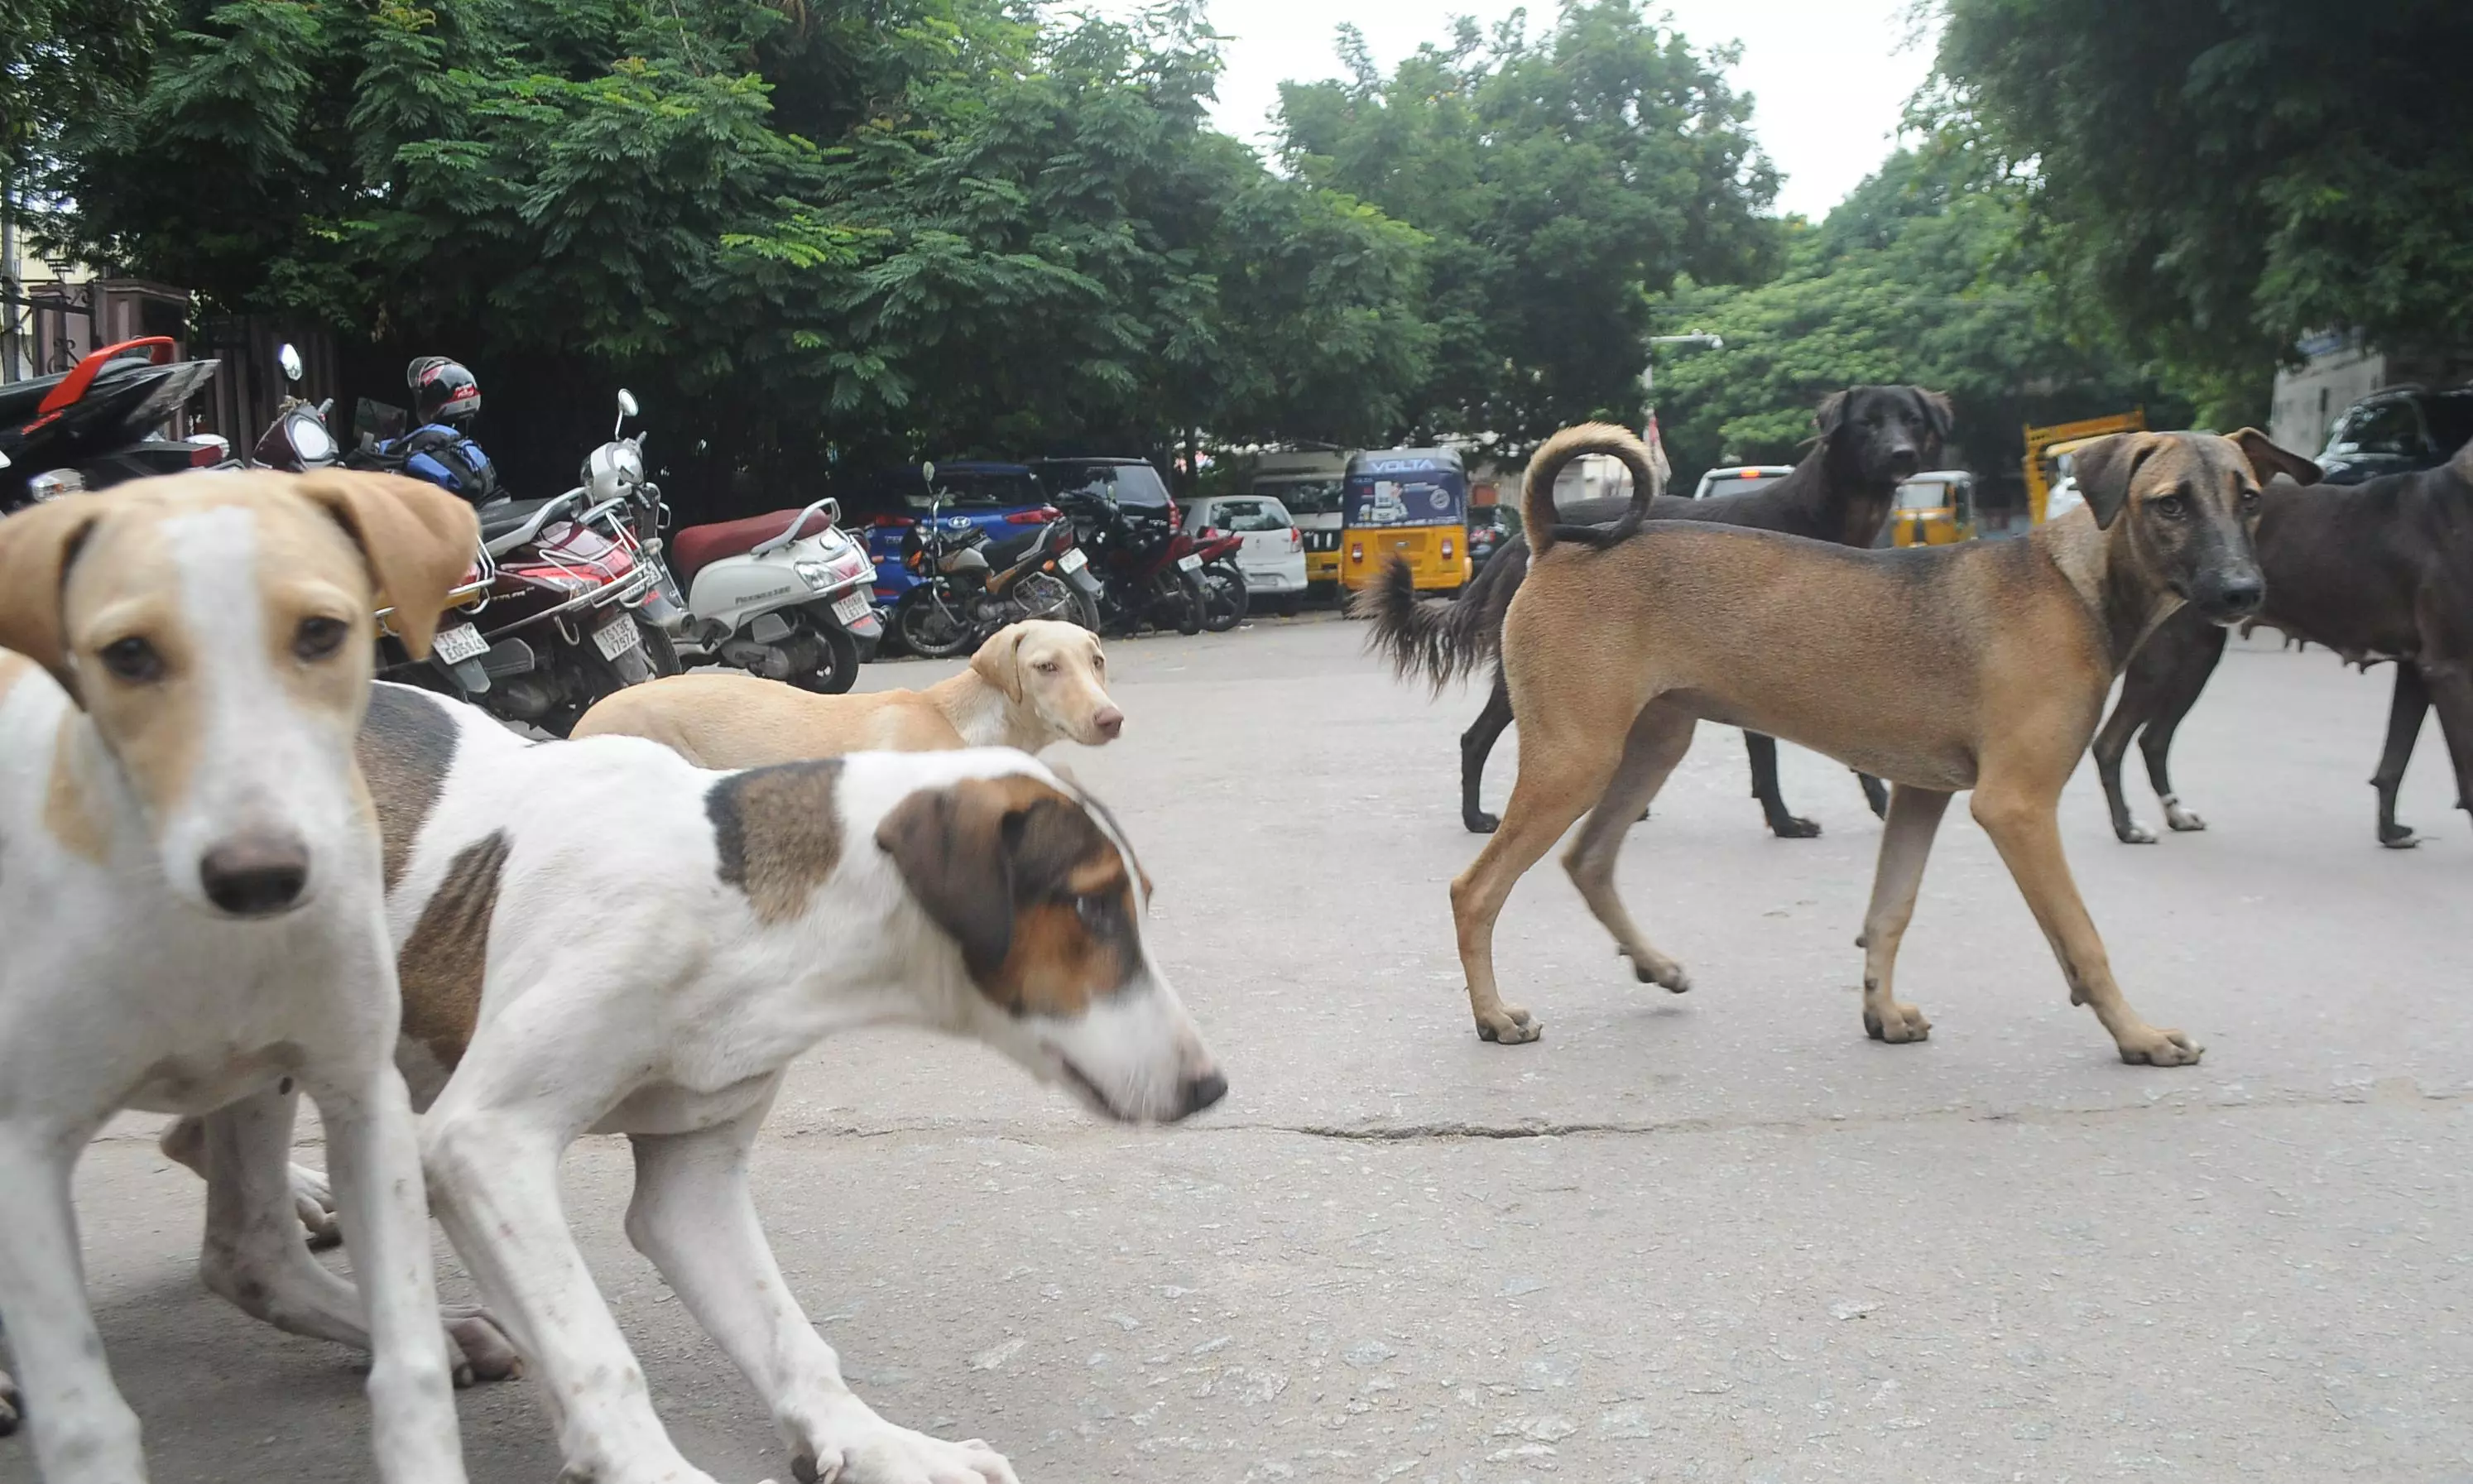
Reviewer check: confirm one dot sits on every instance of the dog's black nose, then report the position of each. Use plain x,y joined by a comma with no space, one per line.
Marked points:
2243,596
1904,462
1200,1092
256,876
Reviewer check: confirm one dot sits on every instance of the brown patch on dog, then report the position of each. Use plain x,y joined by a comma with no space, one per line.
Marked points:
778,833
406,746
443,963
1039,898
67,813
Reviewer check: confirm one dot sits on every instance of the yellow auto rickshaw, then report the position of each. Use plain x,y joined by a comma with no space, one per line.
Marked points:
1412,502
1935,508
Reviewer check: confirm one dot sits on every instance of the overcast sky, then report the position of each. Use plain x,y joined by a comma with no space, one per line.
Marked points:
1829,77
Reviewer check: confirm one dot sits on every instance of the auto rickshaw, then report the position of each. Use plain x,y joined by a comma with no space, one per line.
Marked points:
1935,508
1409,501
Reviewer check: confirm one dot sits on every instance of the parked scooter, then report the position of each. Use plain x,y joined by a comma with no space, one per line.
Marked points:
564,606
1147,568
782,595
1223,583
970,588
300,438
92,426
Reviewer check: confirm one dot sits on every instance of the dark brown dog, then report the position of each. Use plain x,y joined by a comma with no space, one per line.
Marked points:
2380,570
1979,666
1872,437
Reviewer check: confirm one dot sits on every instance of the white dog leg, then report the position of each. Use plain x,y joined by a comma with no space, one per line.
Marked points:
9,1407
692,1216
84,1432
252,1253
313,1200
375,1164
493,1180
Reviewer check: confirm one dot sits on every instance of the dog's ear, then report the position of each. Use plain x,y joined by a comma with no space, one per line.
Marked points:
418,540
2267,459
2104,468
37,545
1831,413
998,662
954,846
1937,415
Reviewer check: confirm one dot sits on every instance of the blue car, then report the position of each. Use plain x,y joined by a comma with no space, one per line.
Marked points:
1005,500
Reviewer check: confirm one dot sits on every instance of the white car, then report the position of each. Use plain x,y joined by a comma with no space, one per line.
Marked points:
1737,479
1273,556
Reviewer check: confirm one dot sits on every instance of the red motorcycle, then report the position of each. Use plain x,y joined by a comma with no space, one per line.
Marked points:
1147,566
1223,583
93,426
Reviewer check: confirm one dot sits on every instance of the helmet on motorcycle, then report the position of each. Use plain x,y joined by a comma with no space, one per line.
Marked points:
442,390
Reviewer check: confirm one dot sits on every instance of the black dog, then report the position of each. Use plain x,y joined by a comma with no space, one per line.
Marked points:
2379,570
1870,438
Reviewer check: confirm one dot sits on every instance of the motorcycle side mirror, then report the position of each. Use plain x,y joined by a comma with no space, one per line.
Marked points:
289,361
927,473
626,410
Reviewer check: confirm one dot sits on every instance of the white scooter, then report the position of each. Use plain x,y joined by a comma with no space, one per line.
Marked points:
782,595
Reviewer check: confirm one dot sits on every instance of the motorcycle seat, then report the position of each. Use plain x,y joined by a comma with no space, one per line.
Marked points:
505,515
698,547
19,399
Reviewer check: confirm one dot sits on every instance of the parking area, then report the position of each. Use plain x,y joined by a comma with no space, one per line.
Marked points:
1720,1236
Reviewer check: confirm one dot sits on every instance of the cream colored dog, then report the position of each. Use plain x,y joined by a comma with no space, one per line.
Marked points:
1031,683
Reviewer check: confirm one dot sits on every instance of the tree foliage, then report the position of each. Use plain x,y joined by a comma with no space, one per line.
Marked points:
1917,277
810,230
1560,180
2224,176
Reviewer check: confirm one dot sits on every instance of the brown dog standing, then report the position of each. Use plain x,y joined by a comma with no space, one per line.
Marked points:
1979,666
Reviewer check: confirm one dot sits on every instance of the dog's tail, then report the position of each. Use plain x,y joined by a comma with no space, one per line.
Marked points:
1442,641
1537,492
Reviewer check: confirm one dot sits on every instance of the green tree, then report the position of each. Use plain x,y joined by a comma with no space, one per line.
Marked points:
997,237
1917,277
1559,178
2223,176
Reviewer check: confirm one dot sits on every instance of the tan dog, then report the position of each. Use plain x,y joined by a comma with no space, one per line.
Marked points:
1979,666
1030,685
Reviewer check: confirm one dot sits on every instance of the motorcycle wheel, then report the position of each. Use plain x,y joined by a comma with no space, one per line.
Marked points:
1084,611
1180,600
925,631
658,649
1224,585
838,649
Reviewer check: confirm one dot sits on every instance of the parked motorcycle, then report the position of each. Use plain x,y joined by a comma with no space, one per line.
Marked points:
969,587
782,595
92,426
1147,569
1223,583
300,439
564,605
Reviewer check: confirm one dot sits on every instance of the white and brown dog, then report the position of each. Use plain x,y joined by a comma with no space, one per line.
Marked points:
190,900
1031,683
599,936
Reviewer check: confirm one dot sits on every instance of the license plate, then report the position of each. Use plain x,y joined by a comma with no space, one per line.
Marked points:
850,607
458,645
1189,562
1074,561
616,636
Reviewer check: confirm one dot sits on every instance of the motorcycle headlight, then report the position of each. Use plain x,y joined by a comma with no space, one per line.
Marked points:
815,574
310,439
613,470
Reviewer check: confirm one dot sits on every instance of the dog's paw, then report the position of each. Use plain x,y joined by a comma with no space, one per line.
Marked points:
2398,837
2181,819
1481,822
313,1201
12,1406
1651,967
2153,1047
1796,828
1897,1024
1509,1024
484,1352
2133,832
857,1447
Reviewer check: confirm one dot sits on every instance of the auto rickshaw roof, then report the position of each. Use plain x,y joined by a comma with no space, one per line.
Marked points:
1404,461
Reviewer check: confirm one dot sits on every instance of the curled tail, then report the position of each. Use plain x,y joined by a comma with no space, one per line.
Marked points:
1440,640
1537,491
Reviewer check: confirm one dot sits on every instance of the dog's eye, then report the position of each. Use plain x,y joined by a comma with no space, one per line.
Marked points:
133,660
1092,910
2173,507
1046,667
2249,497
319,638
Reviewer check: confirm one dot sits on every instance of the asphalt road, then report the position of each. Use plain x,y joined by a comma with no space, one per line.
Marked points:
1720,1236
